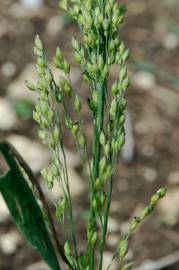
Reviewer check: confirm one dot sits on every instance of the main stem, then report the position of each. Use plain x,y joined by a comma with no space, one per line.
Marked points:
101,88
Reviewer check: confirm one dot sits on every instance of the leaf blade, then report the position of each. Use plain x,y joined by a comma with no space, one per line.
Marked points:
25,210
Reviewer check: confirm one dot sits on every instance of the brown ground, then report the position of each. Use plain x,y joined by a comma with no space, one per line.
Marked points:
145,24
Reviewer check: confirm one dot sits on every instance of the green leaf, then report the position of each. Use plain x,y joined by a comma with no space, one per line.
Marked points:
25,210
146,66
24,109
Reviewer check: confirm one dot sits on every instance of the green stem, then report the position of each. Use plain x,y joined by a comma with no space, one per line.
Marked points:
106,216
70,208
101,89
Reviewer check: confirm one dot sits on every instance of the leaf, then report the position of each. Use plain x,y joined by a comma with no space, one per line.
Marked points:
25,209
144,66
24,109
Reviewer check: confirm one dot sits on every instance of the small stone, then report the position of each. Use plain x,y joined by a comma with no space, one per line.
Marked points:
43,266
112,240
3,28
35,154
75,75
8,69
107,259
148,150
141,128
170,41
130,255
144,80
124,227
150,174
115,206
129,146
54,26
8,119
113,226
169,207
173,177
17,90
19,11
76,182
38,266
32,4
4,211
9,242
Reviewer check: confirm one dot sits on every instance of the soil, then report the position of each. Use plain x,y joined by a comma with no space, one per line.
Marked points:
143,29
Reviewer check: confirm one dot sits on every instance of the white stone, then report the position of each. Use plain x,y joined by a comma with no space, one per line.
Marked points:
169,207
124,227
9,242
173,177
144,80
107,259
32,4
115,206
148,150
36,155
17,90
112,240
20,11
113,225
8,69
8,119
43,266
38,266
4,211
76,182
129,146
150,174
170,41
54,25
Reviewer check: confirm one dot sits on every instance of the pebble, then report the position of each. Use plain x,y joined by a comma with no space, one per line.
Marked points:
4,211
76,182
24,9
124,227
173,177
115,206
150,174
38,266
141,127
8,119
36,155
112,240
54,26
9,242
170,41
148,150
129,146
8,69
107,258
113,226
17,90
144,80
32,4
43,266
18,11
168,207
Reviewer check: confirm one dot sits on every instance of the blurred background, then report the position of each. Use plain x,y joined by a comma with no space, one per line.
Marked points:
151,156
